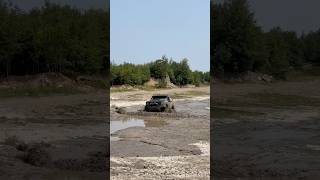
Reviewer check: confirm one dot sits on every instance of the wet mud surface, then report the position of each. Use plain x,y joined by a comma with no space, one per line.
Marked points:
266,131
55,137
168,145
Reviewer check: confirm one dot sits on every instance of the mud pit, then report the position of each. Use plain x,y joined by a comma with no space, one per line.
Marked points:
266,131
168,145
44,137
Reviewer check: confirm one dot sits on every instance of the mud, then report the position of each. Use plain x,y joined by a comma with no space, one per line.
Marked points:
141,113
169,145
266,131
44,137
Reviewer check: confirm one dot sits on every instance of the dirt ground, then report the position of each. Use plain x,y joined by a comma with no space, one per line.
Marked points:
168,146
54,137
266,131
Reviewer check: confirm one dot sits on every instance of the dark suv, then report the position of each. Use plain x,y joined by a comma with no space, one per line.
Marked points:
162,103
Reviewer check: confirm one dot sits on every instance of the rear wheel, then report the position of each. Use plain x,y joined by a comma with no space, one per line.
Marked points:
167,109
173,110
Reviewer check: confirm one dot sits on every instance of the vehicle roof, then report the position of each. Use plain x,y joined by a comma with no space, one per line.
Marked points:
160,95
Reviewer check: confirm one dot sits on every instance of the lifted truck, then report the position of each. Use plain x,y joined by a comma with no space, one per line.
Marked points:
159,103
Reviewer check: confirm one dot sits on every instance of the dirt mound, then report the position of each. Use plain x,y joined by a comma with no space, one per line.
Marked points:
169,84
92,81
256,77
38,80
249,76
52,79
156,82
151,83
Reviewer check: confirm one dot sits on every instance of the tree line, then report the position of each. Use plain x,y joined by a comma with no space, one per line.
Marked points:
53,38
239,45
179,73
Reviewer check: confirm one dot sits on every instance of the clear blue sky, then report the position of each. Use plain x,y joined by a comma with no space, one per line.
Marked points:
144,30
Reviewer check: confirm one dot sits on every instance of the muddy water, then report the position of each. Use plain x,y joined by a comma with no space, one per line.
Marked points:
127,122
121,122
124,124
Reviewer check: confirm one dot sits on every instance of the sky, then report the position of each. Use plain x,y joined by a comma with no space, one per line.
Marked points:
145,30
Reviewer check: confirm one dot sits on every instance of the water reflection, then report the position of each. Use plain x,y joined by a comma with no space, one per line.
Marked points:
118,125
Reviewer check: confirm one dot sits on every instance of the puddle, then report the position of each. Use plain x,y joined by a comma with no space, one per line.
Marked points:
133,122
124,124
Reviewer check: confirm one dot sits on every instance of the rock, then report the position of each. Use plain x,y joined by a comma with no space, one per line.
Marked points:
121,110
140,164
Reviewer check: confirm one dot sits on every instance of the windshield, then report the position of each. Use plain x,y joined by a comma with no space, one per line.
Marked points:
159,97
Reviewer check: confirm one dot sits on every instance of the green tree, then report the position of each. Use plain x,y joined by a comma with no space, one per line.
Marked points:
311,47
160,68
182,73
278,53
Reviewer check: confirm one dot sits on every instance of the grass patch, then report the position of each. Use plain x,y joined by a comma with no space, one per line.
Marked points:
225,113
37,91
274,99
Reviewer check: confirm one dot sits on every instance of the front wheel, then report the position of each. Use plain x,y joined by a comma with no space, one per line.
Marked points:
146,109
163,109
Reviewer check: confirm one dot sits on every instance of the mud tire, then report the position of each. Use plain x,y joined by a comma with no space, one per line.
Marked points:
146,109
